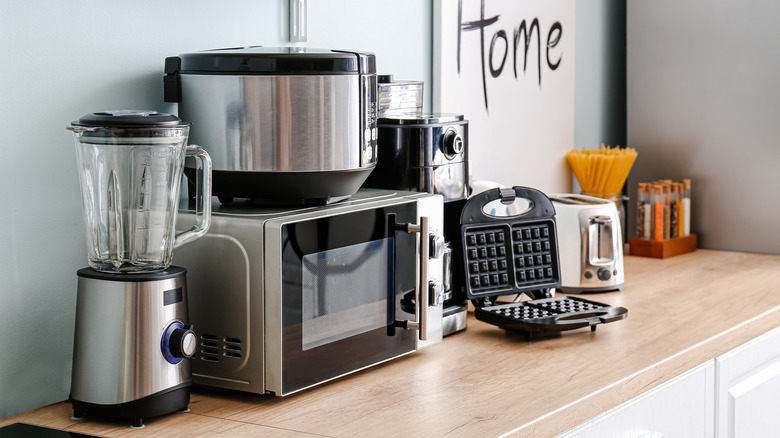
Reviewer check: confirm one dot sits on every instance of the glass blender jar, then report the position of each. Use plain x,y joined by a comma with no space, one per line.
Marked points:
132,334
131,164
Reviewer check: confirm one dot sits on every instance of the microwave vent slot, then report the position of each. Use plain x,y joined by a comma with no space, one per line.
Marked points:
232,348
213,348
209,348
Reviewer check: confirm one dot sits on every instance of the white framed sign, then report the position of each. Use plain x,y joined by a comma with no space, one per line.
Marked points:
508,67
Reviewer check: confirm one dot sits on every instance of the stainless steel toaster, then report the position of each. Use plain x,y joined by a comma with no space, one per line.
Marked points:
590,243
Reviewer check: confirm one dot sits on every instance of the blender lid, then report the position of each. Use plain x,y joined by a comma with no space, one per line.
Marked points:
258,60
413,119
130,119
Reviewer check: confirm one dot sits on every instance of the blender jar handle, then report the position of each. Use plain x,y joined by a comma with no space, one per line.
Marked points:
203,196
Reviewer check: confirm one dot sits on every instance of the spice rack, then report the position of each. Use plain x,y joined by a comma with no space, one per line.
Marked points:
662,249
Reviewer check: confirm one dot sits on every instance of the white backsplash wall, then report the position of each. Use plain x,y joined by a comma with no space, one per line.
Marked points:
61,60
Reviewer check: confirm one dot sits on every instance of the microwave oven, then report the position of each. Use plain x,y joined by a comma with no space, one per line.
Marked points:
282,299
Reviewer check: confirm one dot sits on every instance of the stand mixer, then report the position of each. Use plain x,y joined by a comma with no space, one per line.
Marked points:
132,337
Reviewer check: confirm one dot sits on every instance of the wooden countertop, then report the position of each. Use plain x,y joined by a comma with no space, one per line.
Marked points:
484,381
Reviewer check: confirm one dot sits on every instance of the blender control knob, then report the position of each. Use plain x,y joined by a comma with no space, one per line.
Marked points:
183,342
452,143
178,342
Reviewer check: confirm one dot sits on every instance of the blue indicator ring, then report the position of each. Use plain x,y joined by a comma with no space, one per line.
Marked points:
165,344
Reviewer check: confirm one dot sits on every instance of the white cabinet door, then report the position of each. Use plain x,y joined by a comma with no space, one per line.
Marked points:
748,394
681,407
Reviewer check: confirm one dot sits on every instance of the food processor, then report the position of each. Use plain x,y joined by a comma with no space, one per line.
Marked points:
132,336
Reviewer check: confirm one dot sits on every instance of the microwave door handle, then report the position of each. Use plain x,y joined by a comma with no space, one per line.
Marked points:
421,290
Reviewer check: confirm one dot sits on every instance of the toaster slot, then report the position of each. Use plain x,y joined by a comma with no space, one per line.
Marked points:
600,232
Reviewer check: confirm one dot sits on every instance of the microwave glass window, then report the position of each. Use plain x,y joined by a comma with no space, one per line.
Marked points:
345,291
344,282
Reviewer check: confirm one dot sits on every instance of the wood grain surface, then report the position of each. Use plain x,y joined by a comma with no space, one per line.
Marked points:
484,381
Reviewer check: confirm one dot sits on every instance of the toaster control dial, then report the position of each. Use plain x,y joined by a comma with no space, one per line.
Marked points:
604,274
452,143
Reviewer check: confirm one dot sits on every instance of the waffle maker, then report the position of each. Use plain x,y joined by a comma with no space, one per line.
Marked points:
509,246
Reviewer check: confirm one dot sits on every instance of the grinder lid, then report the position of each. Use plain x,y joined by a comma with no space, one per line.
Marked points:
258,60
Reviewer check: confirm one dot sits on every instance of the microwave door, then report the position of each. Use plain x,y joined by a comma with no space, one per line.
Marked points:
343,282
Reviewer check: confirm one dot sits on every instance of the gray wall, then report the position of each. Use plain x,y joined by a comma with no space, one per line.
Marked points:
704,103
60,60
600,80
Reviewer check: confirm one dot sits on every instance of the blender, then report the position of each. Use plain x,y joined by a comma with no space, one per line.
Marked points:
132,338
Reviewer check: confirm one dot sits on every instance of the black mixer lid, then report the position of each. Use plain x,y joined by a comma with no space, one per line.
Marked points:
130,119
258,60
412,119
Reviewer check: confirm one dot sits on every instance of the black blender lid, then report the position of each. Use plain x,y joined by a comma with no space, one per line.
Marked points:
420,119
272,60
129,119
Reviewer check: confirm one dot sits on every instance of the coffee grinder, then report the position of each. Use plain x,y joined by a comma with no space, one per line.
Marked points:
132,337
429,153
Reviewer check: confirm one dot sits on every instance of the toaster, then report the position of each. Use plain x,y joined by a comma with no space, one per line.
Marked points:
590,242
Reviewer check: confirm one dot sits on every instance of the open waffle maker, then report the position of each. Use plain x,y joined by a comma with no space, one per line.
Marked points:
509,247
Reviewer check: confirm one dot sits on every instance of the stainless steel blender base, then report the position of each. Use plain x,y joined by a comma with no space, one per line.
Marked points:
125,364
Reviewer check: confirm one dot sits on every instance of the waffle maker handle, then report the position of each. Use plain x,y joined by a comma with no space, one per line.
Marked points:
497,205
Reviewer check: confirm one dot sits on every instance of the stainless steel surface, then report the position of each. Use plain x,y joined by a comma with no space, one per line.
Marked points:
426,153
499,208
589,244
227,301
446,262
421,141
453,322
119,325
435,293
432,207
437,245
235,294
600,238
450,180
275,123
299,11
421,287
422,281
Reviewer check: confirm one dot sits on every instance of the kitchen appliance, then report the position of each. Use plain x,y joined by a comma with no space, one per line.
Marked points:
429,153
132,334
591,243
283,299
510,247
285,125
425,153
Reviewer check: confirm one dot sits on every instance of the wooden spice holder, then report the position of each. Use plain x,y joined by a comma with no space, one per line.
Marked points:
662,249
